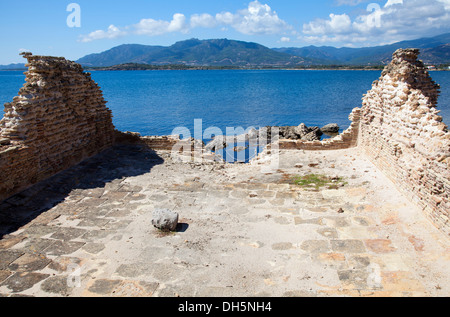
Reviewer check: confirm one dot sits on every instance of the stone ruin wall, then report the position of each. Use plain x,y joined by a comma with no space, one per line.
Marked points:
402,133
58,119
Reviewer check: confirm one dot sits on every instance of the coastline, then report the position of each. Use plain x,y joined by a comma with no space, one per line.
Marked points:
171,67
182,67
364,213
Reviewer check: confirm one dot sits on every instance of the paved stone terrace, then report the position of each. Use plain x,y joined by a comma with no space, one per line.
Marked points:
244,231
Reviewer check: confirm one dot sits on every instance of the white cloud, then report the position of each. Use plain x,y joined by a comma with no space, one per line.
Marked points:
159,27
349,2
336,24
285,39
392,2
446,4
204,20
396,20
258,18
178,24
111,33
148,27
227,18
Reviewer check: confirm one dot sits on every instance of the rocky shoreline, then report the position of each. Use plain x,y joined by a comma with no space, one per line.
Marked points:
264,136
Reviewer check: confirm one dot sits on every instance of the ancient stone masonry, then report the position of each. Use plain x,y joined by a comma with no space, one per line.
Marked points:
58,119
403,134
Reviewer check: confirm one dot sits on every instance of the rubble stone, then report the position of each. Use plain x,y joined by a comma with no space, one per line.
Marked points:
165,219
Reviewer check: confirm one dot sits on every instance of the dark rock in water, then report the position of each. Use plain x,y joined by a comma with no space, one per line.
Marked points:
314,134
216,144
289,133
331,128
263,135
301,132
302,129
221,141
240,148
165,219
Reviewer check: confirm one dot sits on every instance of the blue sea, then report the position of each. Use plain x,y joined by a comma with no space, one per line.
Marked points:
157,102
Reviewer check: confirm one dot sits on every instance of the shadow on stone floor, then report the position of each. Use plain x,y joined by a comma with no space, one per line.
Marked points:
118,162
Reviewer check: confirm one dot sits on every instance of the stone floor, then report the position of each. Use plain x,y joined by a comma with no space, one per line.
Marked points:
244,230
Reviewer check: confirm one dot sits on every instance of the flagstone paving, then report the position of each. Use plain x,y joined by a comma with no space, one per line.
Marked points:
245,230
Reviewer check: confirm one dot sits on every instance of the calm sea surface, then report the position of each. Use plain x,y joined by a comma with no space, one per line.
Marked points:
156,102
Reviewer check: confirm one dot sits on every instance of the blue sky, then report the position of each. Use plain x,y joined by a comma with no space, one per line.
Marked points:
41,26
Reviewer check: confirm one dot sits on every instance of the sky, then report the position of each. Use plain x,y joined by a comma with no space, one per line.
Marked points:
76,28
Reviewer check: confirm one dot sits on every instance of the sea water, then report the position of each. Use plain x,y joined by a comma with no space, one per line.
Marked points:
161,102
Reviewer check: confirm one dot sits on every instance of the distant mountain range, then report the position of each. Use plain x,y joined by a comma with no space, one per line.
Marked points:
194,52
434,50
12,66
224,52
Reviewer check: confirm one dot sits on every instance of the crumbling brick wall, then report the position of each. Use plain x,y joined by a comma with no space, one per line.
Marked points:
403,134
58,119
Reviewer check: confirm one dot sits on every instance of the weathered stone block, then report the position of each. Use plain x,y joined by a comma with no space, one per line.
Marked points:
165,219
